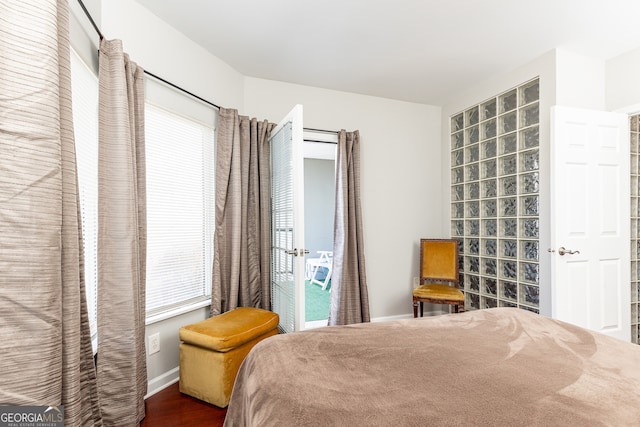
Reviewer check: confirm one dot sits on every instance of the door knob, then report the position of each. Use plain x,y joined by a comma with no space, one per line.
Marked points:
562,251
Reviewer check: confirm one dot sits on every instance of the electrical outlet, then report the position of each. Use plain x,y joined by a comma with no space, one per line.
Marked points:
154,343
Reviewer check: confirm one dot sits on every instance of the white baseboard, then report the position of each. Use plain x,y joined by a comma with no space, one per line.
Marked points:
163,381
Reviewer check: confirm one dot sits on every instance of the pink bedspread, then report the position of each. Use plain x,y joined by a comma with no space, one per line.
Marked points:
496,367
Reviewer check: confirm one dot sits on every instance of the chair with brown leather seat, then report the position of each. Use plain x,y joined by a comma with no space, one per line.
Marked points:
439,280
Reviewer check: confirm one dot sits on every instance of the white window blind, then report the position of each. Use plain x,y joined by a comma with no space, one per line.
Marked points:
85,123
180,205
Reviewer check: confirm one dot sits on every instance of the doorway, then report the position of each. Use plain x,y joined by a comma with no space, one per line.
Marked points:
319,154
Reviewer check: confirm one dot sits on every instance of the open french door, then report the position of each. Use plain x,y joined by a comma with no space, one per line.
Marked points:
590,231
287,222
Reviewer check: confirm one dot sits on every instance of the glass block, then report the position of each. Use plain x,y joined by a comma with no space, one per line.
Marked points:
472,172
489,208
530,228
509,144
530,137
634,144
489,302
473,246
530,272
529,206
509,227
508,186
473,209
488,109
473,264
473,227
529,161
472,190
457,210
488,169
461,266
457,228
634,292
489,188
457,122
473,135
490,266
509,290
508,165
508,122
472,153
508,101
457,140
634,313
530,183
489,149
529,250
457,192
530,115
508,304
490,227
472,301
490,286
509,269
633,123
457,175
472,283
530,92
473,116
531,309
634,334
490,247
530,295
509,248
457,158
489,129
509,206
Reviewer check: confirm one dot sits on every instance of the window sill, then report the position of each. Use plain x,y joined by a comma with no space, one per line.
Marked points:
176,311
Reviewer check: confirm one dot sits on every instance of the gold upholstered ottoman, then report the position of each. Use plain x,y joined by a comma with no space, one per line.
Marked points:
212,350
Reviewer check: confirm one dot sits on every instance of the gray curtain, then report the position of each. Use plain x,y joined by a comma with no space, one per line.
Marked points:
349,297
241,264
122,370
45,356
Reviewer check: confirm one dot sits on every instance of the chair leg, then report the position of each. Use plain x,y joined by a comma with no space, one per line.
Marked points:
415,309
421,309
455,308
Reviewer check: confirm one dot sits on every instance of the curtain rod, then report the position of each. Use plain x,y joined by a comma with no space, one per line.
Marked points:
173,85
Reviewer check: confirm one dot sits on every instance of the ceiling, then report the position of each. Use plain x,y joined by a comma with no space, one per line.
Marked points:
414,50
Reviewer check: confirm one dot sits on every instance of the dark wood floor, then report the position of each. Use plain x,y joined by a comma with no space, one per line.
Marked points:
170,408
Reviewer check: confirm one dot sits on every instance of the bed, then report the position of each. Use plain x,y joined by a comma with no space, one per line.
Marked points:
502,366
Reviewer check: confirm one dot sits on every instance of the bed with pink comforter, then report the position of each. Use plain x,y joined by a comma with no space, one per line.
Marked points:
498,367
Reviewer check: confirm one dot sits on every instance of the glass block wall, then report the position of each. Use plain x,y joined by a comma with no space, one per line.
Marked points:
634,126
495,199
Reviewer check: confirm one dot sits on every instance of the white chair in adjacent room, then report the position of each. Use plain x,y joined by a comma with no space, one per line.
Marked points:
314,264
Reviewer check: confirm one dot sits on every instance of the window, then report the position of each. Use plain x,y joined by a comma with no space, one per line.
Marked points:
180,199
85,124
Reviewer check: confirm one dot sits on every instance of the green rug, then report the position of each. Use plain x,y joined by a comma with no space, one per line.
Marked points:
316,302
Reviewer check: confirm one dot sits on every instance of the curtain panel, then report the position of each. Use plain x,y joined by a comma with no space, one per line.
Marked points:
46,356
242,241
349,296
122,370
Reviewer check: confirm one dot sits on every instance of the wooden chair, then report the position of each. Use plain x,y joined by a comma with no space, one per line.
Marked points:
439,281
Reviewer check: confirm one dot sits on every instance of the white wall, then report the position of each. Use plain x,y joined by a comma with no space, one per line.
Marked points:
622,86
167,53
400,175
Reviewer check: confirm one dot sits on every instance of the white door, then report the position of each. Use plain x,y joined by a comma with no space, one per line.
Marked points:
590,223
287,221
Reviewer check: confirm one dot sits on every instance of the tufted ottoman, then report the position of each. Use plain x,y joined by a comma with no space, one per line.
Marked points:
212,350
